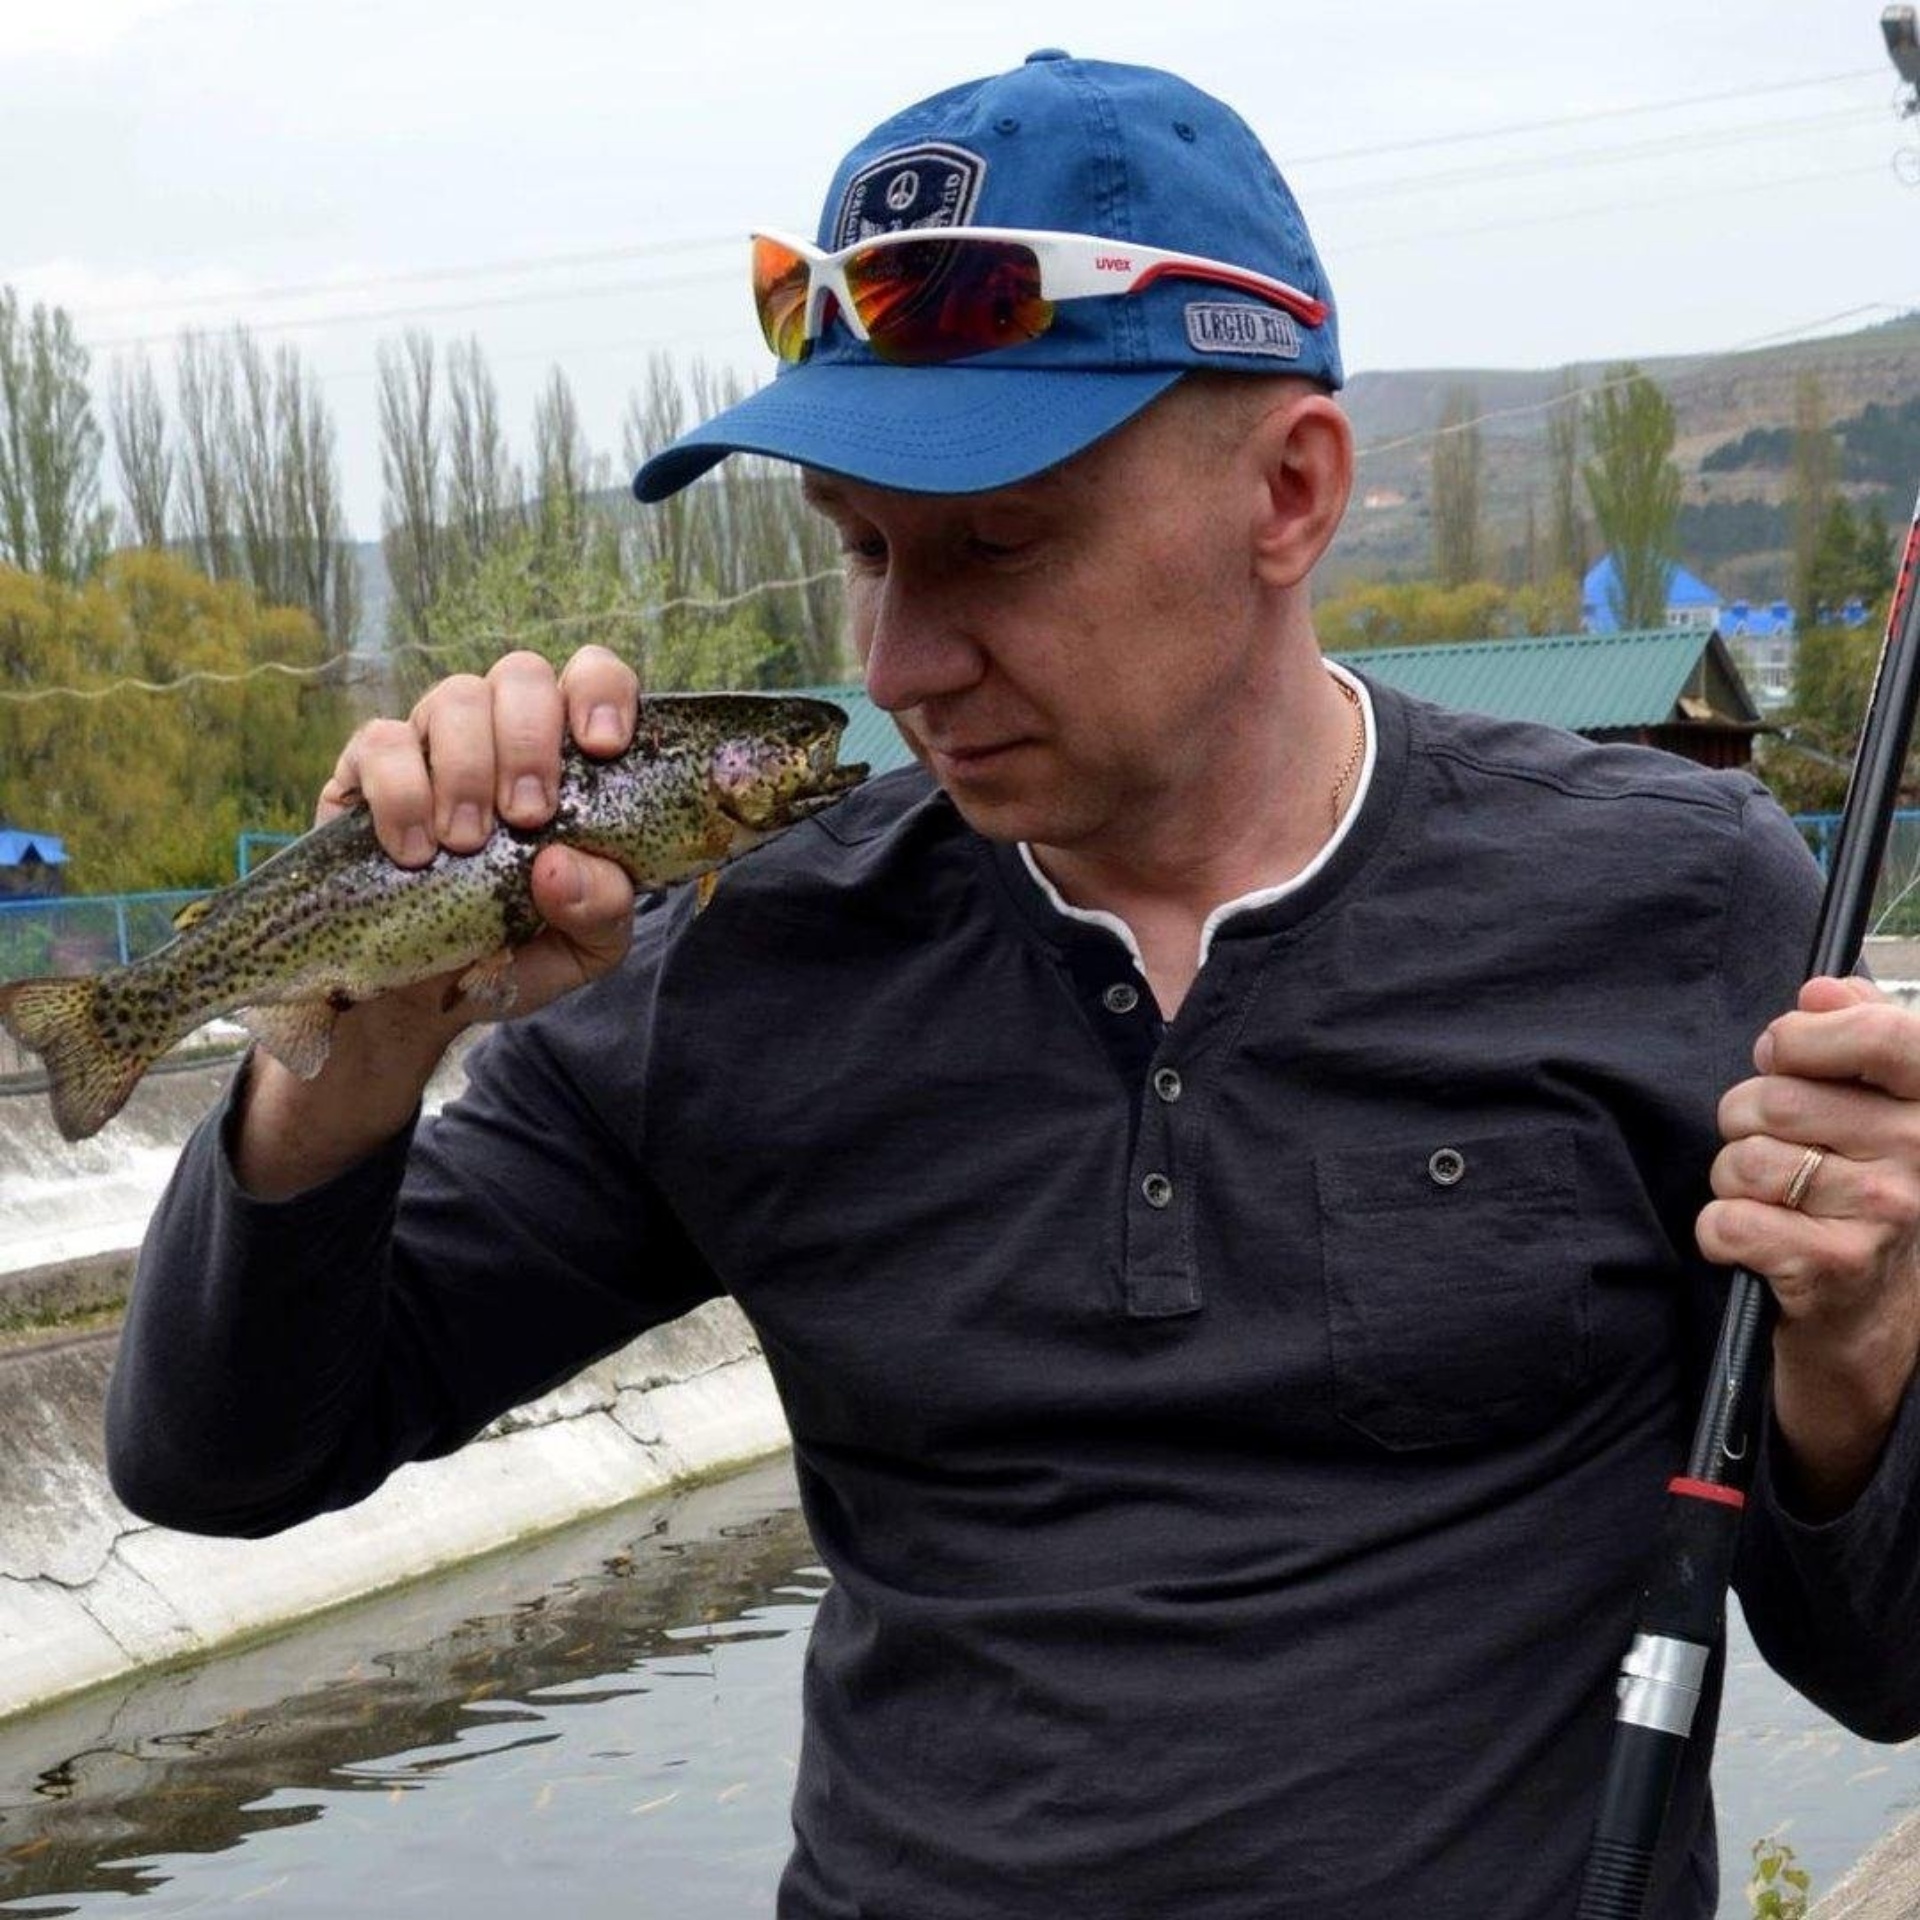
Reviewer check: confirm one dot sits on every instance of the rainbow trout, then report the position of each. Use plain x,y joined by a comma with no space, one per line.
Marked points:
331,919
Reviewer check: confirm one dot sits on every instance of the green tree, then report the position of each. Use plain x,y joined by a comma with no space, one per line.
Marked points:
260,478
1806,765
142,452
1634,488
1815,461
1456,491
1410,613
1567,546
149,789
51,518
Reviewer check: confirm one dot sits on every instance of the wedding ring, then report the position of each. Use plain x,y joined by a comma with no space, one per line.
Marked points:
1794,1193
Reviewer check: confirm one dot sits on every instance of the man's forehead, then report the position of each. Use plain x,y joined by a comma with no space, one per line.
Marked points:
830,490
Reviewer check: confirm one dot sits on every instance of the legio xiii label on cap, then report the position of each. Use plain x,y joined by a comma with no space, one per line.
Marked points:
1222,327
934,185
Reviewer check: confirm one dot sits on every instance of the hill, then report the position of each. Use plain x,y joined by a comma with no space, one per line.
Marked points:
1734,415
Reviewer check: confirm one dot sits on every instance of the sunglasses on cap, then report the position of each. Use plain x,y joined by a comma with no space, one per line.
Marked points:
927,295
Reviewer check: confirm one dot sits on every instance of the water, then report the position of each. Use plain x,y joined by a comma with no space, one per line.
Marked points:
604,1724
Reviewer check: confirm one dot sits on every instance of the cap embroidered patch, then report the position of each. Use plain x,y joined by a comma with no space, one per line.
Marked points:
933,185
1225,328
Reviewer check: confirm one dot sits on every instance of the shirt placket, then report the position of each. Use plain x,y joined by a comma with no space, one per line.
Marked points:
1159,1276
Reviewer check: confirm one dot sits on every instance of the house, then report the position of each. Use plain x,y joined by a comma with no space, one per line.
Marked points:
30,864
1690,602
1678,688
1763,641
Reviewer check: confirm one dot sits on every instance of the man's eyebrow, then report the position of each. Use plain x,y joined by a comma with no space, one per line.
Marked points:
819,491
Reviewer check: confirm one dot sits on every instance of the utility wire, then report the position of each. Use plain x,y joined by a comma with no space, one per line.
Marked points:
205,676
1579,119
1612,155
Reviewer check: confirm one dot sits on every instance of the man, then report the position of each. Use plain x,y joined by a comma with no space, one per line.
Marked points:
1214,1167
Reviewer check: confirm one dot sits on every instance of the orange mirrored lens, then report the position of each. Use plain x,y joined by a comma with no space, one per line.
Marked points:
925,301
780,282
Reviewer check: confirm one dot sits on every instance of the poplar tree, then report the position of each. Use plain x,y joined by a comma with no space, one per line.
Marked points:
1634,488
1456,491
260,478
51,518
138,422
1814,469
1567,548
413,534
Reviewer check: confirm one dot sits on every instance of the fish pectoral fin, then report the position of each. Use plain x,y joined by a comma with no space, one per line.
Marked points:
192,913
489,983
298,1033
704,889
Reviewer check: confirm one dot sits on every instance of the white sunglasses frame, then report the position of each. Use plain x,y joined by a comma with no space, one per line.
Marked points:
1073,266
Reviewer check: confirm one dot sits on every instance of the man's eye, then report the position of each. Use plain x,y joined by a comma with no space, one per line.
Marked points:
866,551
998,549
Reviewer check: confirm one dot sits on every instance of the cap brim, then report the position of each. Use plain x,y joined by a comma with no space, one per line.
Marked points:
914,429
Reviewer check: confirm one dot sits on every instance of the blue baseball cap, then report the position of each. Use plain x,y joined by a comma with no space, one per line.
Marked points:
1079,146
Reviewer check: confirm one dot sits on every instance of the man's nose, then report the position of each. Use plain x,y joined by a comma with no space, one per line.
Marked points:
916,644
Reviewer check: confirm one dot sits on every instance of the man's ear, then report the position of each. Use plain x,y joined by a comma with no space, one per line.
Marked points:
1305,449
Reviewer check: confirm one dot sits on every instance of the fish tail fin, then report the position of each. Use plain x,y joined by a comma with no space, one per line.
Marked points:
91,1078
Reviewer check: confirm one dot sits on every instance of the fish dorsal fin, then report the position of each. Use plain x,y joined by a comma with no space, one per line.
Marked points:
193,913
299,1034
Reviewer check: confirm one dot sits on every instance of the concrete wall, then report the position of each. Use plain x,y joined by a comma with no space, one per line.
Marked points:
89,1592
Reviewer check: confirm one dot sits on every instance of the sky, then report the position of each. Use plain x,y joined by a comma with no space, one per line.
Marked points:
1491,184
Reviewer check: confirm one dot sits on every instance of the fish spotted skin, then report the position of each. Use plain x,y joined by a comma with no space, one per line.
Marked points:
331,919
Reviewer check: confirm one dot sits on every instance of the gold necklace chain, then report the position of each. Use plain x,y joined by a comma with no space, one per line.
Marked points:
1355,751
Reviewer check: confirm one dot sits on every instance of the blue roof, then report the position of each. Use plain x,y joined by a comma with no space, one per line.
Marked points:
17,847
1744,621
1597,590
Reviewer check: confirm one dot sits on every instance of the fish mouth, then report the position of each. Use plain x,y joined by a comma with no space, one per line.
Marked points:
828,789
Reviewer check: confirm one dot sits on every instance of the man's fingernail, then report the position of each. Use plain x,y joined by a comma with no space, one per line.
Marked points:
416,846
575,881
529,796
604,728
1763,1052
466,824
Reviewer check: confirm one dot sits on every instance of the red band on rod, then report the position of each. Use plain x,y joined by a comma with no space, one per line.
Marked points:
1706,1490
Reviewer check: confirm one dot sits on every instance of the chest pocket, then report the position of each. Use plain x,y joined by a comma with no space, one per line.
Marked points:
1457,1289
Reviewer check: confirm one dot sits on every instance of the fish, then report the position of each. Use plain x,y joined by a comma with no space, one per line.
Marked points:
331,919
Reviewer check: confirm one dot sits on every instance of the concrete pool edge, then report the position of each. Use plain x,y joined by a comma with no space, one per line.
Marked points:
89,1593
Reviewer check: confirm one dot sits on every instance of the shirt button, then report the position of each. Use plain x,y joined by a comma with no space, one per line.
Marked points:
1166,1083
1157,1190
1447,1167
1120,997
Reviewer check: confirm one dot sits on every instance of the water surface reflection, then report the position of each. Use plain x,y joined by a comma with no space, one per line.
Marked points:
605,1722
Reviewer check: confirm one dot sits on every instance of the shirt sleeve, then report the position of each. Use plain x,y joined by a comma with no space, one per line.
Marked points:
280,1359
1834,1607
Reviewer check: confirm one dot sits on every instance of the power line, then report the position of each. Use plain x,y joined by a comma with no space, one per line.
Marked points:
206,676
527,264
1626,155
1579,119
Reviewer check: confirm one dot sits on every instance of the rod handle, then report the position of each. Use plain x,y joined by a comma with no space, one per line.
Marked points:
1633,1804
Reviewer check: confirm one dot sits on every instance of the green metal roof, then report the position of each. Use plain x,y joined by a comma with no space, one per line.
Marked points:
1587,682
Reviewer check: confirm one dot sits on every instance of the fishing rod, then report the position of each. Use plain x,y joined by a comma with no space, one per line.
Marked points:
1683,1603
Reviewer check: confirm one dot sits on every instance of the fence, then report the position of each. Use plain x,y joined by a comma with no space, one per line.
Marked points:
81,935
84,934
1896,896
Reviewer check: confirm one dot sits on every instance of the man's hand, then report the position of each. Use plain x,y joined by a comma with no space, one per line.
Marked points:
1841,1074
472,752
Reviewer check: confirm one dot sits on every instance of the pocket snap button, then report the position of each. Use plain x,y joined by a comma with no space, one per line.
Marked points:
1157,1190
1120,998
1447,1167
